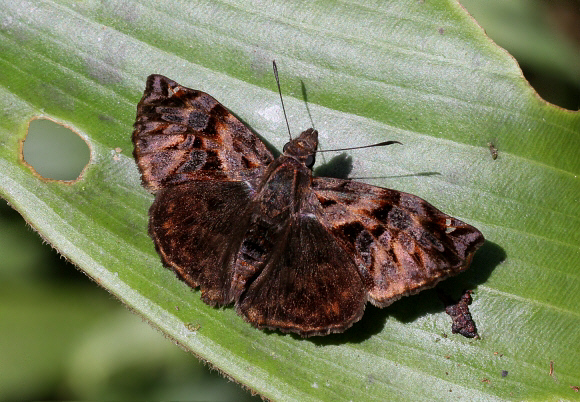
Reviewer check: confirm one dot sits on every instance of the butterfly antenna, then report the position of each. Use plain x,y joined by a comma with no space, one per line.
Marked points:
281,100
380,144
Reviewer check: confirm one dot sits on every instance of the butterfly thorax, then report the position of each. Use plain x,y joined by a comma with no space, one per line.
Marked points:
284,186
303,148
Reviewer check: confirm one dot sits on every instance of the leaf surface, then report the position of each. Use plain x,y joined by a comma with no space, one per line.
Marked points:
422,73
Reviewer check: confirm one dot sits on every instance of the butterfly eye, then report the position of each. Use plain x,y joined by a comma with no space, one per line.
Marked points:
309,162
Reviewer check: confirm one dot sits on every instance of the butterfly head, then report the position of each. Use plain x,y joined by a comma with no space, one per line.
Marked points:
303,148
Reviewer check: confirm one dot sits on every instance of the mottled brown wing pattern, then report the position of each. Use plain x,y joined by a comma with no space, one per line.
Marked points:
401,243
294,253
182,134
309,284
197,229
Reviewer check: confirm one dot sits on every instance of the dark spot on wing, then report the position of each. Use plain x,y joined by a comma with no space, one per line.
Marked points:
196,161
363,245
172,118
377,231
428,241
351,230
197,143
398,218
326,202
217,117
220,112
381,213
197,120
212,161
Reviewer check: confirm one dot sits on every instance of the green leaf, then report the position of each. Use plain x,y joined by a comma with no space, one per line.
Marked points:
420,72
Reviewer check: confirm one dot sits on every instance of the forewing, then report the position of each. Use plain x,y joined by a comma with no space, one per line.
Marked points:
308,284
197,228
401,243
182,134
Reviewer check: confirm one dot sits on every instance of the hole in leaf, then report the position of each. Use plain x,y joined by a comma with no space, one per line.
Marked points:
54,151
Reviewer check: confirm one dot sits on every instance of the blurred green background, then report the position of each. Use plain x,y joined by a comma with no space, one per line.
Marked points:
46,351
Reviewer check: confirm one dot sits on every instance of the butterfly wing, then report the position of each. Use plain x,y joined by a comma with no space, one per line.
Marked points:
196,227
401,243
182,134
308,284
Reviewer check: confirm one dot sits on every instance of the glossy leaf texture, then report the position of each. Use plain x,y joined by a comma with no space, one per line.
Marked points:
419,72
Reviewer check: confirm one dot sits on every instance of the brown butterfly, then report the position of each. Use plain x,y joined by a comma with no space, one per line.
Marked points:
293,252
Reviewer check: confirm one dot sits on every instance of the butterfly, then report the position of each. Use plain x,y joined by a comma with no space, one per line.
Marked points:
292,252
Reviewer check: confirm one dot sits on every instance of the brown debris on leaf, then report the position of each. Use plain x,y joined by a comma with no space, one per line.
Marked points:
462,322
492,150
